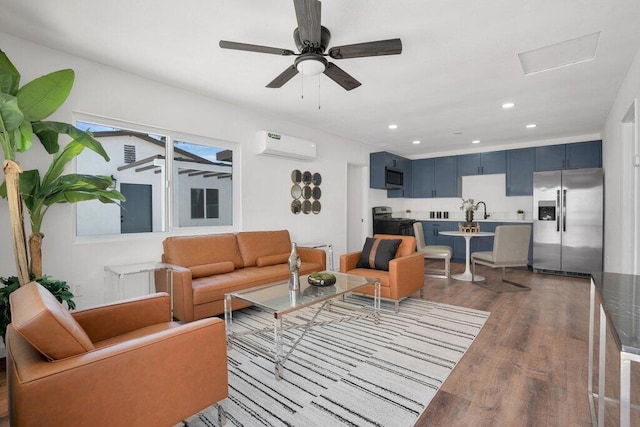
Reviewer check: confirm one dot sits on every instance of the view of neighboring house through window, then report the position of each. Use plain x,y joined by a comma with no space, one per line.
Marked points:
201,193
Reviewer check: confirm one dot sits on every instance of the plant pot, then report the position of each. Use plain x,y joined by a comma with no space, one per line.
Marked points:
469,215
520,216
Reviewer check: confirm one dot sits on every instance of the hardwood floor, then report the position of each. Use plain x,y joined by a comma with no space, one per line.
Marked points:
528,365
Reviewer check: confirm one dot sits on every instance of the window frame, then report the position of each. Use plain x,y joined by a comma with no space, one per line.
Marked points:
169,222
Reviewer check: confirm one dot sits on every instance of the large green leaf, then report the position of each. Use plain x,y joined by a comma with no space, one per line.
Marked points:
29,182
60,160
10,115
26,133
46,130
41,97
48,138
9,76
75,188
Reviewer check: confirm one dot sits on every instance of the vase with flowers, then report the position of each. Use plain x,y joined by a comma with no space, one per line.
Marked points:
469,206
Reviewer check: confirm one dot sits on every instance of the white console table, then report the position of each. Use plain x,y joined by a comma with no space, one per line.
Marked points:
115,278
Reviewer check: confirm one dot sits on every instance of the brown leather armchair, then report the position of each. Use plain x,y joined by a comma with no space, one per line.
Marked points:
405,275
120,364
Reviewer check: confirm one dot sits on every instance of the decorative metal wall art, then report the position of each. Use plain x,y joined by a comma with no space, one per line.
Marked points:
305,192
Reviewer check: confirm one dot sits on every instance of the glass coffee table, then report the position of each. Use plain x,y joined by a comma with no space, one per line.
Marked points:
277,300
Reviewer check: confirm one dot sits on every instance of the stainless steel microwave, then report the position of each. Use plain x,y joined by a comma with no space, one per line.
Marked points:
393,178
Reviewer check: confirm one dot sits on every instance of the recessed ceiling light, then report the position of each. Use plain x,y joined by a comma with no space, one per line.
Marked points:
416,142
508,105
393,126
475,141
531,125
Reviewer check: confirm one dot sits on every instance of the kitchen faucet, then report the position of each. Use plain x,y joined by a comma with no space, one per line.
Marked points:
486,215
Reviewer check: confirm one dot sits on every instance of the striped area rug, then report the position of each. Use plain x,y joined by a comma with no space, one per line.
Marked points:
353,373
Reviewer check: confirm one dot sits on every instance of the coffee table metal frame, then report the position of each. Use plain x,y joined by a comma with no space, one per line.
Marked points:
272,298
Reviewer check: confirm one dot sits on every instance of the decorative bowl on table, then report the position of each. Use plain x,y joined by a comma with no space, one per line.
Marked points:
321,279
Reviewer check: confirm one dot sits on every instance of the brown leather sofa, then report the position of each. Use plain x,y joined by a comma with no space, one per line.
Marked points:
215,264
405,275
112,365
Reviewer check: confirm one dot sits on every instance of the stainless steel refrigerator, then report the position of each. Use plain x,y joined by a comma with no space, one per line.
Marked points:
568,209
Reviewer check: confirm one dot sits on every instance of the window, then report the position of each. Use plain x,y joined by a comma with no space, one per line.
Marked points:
201,198
188,181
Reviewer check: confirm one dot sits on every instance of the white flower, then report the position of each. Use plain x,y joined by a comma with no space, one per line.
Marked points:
468,205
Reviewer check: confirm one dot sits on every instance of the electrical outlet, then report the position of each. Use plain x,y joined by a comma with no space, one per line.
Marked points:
76,290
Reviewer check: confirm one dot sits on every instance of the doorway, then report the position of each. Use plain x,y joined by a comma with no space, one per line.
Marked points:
136,213
356,202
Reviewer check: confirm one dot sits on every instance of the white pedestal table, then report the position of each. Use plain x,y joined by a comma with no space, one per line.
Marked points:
466,276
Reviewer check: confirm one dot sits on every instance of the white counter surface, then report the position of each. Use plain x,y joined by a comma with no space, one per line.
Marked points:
521,221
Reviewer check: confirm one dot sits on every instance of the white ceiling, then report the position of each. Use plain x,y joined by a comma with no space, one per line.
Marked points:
459,61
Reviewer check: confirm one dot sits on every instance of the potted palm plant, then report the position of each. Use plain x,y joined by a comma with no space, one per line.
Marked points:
23,110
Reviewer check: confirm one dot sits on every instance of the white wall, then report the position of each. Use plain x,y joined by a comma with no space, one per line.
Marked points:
621,179
264,181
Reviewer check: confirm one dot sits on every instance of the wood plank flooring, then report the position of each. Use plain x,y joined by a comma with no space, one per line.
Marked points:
528,366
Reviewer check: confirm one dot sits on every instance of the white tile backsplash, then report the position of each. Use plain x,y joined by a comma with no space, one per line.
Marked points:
490,189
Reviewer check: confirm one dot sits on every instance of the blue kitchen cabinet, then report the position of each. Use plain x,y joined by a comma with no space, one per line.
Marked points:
437,177
583,155
432,231
482,163
379,161
422,178
520,167
550,158
569,156
445,177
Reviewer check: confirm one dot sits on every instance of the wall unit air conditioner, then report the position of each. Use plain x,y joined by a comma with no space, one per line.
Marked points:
276,144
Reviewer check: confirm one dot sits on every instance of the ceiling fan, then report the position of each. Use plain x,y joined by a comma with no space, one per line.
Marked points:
312,40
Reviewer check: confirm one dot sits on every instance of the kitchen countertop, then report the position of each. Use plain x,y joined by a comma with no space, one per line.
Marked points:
522,221
620,294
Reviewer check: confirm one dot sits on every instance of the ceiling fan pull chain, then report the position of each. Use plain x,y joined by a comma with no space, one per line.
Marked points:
318,92
302,86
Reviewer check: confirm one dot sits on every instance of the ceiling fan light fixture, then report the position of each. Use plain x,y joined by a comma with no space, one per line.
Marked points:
311,65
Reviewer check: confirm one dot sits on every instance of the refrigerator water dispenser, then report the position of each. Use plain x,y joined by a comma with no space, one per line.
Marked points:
546,210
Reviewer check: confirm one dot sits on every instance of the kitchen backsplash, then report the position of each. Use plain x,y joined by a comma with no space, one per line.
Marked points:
490,189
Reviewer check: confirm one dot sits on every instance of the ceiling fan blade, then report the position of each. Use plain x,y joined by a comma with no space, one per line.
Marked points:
308,16
284,77
255,48
382,47
339,76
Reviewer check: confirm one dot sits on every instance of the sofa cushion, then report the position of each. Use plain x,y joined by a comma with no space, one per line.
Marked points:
189,251
211,269
256,244
377,253
38,316
213,288
266,260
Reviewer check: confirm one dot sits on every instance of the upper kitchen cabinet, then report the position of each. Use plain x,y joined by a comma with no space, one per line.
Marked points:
520,167
378,164
482,163
583,155
569,156
436,177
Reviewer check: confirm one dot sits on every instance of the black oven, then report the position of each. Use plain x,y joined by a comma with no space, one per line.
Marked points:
384,223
